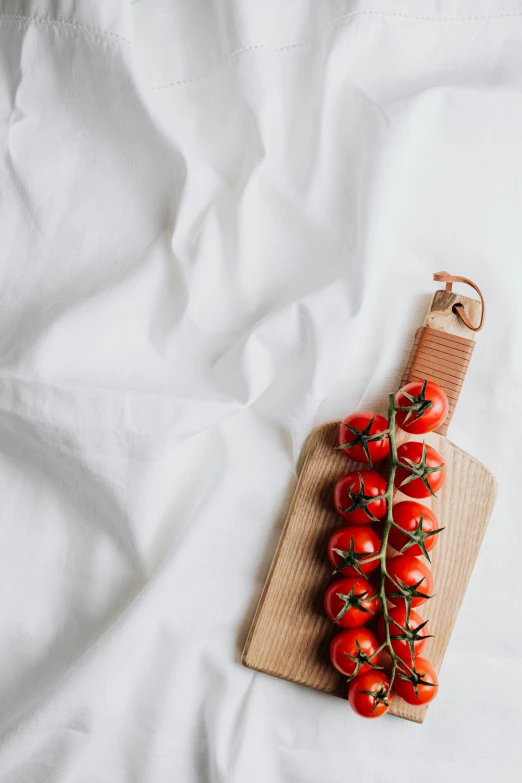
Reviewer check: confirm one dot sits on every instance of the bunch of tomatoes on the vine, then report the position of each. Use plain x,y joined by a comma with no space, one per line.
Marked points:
368,582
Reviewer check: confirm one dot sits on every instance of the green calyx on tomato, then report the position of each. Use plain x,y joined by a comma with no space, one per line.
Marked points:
417,469
380,696
354,550
419,684
360,501
422,406
370,694
370,442
355,651
418,404
349,559
410,635
408,632
418,537
353,600
350,602
409,592
360,660
406,574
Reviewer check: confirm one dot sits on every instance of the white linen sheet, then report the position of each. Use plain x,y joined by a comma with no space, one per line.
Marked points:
218,225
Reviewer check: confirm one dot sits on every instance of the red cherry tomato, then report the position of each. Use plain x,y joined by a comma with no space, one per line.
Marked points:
350,649
414,574
359,437
348,547
353,495
350,602
427,407
367,694
418,635
408,515
426,682
425,474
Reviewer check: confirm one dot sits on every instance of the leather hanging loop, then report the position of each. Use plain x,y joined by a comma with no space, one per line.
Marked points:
458,307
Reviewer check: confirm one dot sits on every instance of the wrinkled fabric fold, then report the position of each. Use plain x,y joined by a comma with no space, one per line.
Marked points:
219,223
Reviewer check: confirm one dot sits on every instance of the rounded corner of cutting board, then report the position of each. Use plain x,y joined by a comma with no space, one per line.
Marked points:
318,432
246,661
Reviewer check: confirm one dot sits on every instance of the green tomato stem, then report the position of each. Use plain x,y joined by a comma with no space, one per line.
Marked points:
389,523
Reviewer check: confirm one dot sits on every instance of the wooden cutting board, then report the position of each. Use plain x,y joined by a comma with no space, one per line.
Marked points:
290,633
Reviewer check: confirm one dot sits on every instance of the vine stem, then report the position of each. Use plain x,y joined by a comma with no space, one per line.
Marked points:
394,463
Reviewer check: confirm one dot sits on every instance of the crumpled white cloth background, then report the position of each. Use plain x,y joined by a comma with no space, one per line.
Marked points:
218,226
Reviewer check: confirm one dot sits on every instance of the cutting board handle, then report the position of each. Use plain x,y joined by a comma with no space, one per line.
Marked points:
458,307
444,344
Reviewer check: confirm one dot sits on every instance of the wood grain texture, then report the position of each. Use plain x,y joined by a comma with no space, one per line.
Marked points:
290,634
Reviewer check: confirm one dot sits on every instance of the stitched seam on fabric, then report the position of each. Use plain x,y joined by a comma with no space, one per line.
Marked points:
333,23
62,23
